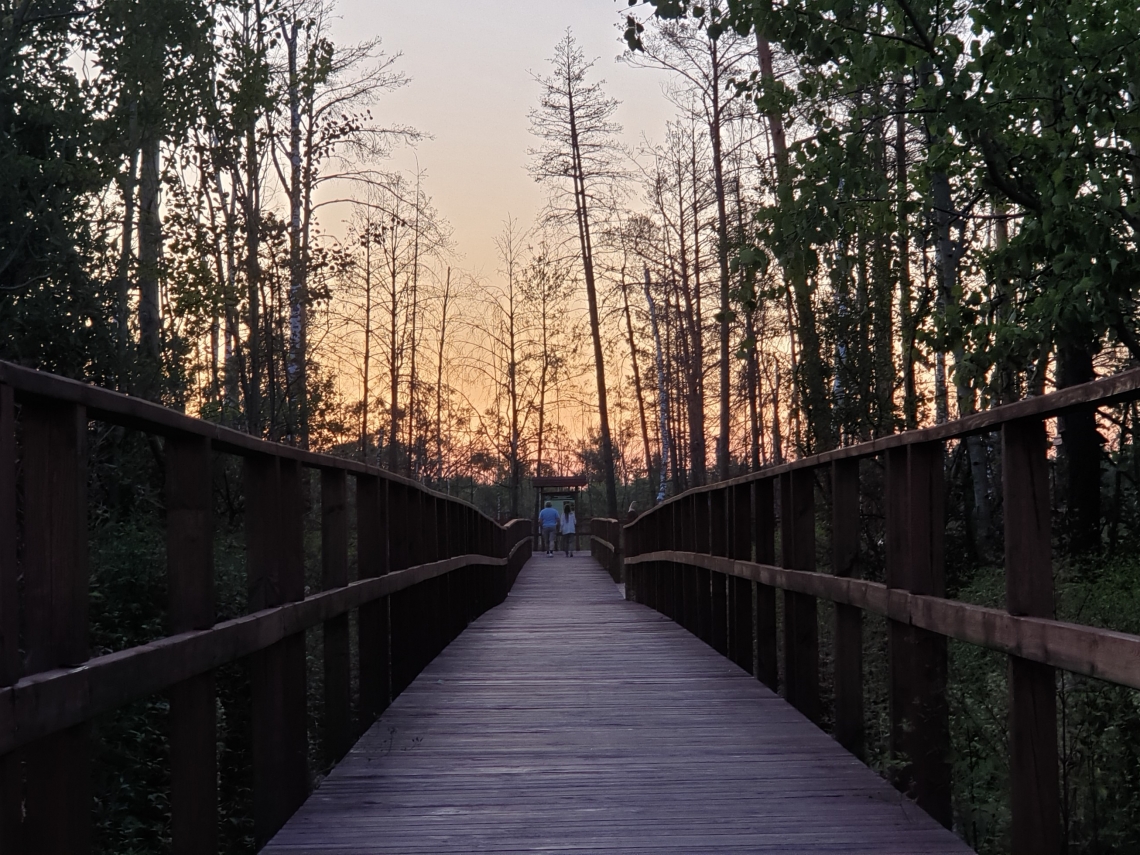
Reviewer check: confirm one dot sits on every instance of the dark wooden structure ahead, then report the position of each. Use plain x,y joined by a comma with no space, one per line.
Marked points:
707,559
428,565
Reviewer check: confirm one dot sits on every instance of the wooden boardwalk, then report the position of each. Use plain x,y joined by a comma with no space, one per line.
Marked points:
568,719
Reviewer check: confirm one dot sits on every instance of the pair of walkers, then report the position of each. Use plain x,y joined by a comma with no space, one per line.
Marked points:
551,523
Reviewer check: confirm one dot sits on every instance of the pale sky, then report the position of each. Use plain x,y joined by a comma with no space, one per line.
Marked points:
471,90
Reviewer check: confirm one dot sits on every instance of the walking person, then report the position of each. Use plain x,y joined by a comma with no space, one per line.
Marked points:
568,524
548,522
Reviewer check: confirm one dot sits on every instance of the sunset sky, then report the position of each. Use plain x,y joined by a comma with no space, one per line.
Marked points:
470,62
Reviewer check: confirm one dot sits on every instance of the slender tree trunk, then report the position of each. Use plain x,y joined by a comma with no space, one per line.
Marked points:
649,467
253,276
583,218
543,380
513,392
947,254
439,378
754,411
722,450
907,327
394,363
1081,449
150,259
809,374
296,381
413,342
123,271
662,393
364,397
1007,377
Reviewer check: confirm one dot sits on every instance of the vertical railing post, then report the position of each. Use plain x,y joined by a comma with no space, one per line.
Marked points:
11,765
337,731
57,807
740,590
718,545
688,574
920,729
670,592
701,526
275,573
401,519
625,544
1033,764
372,620
190,586
767,667
801,627
848,619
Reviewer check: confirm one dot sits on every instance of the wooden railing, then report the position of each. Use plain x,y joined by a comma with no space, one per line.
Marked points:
707,559
428,564
605,546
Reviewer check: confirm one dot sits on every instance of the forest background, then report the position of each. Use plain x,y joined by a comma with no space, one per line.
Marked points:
860,218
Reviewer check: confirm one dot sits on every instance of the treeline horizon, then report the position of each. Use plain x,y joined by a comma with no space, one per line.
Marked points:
861,219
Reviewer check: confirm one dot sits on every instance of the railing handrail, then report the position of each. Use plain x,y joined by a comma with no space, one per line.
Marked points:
707,559
1080,649
50,701
1102,392
428,563
129,411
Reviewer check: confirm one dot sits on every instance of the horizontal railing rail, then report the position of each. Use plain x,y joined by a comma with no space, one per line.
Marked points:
605,546
707,558
427,565
1086,650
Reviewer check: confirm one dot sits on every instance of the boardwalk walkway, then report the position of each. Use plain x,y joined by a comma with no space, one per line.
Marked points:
570,720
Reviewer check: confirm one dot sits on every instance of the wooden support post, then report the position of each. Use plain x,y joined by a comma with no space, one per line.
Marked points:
665,570
401,518
336,737
703,582
718,545
740,590
689,581
767,667
275,571
1033,763
58,795
11,765
190,583
848,619
920,727
372,630
801,627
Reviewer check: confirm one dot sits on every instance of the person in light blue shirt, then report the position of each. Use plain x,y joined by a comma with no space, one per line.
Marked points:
548,521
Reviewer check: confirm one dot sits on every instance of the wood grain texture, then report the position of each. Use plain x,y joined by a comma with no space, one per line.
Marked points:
57,808
1034,777
801,620
920,715
569,719
336,735
742,619
47,702
193,713
1093,652
11,765
848,619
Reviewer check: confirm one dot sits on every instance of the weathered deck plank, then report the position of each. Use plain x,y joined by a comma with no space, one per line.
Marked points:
568,719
